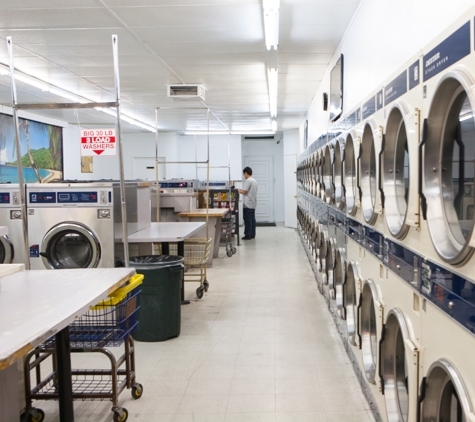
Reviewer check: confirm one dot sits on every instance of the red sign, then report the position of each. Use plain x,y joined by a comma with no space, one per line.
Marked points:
98,142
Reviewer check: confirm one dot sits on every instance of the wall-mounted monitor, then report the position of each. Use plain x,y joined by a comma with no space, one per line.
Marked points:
41,151
336,90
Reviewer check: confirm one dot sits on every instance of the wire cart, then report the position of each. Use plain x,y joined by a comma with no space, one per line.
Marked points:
196,254
227,225
108,324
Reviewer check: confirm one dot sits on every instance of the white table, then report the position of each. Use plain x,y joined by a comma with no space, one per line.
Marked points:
164,233
215,216
161,232
35,305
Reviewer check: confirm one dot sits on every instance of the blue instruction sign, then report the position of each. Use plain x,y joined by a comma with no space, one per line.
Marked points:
448,52
395,88
369,108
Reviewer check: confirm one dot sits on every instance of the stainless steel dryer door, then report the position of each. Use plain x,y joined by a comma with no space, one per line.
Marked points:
70,245
6,250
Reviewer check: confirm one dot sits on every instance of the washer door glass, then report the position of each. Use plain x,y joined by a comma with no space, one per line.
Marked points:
446,399
368,175
338,173
350,176
449,155
396,174
369,333
350,292
70,245
6,250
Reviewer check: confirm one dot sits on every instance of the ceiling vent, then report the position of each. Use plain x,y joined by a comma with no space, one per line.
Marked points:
276,137
186,91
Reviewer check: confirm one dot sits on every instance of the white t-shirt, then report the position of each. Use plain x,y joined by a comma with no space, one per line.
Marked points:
250,199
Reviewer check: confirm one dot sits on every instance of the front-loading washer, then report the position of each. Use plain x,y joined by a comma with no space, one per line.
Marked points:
12,246
71,225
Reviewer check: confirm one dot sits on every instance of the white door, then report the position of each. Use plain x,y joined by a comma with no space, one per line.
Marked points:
290,190
263,171
144,168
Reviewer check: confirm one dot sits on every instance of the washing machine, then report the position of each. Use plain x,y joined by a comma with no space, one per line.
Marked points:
71,225
11,246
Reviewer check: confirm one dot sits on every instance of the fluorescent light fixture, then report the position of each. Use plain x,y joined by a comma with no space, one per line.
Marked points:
249,132
32,82
274,125
271,23
125,118
273,80
64,94
466,116
44,86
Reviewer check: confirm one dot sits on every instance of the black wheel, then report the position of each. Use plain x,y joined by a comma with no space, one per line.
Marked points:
35,415
199,292
206,285
117,415
234,249
229,253
137,391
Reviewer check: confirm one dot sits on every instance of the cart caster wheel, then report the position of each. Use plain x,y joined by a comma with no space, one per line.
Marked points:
120,415
206,285
34,415
137,391
229,253
234,250
199,292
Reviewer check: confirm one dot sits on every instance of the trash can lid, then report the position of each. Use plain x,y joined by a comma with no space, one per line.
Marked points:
156,261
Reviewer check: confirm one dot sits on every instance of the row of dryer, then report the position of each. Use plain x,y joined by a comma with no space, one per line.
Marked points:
69,225
386,213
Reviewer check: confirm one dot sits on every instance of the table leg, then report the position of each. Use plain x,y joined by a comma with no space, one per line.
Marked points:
65,388
181,252
166,248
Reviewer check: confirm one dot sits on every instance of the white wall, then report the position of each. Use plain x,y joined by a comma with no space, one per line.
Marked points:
291,149
256,148
187,145
172,146
382,36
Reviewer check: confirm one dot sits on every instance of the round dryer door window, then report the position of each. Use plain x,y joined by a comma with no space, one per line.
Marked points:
446,398
350,300
368,175
396,174
70,245
328,175
350,179
338,174
6,250
369,330
449,156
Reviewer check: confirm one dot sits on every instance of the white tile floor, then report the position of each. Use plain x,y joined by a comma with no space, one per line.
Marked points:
260,346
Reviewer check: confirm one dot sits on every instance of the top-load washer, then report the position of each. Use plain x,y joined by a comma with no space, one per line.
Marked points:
71,225
12,249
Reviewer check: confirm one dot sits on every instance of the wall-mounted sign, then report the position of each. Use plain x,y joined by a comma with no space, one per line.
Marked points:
379,100
395,88
98,142
448,52
414,75
369,107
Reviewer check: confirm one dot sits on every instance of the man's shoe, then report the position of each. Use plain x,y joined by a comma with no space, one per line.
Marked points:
246,238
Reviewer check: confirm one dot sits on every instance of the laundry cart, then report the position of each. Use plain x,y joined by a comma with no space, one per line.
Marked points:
196,254
227,226
108,324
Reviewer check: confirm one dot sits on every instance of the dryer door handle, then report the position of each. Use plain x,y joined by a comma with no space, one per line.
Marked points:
44,254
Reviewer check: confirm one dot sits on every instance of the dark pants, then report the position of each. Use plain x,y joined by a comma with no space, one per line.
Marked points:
249,216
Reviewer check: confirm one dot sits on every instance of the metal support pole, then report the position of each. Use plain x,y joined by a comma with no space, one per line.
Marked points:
65,387
207,186
125,233
21,184
157,186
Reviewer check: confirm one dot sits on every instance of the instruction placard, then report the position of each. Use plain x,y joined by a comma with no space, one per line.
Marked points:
98,142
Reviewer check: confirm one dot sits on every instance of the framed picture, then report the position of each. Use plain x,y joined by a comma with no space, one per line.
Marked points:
41,151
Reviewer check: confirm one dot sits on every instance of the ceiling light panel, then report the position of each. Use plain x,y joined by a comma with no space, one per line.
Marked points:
316,14
49,18
177,16
191,34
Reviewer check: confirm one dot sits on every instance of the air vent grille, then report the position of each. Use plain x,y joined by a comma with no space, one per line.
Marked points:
186,91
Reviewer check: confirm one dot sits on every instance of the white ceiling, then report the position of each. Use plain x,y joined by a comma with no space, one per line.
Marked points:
219,43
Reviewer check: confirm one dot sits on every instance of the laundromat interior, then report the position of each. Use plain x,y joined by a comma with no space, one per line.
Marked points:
132,287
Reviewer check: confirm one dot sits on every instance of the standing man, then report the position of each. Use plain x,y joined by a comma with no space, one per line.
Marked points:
249,191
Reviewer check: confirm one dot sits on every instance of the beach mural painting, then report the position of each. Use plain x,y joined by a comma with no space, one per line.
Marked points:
41,149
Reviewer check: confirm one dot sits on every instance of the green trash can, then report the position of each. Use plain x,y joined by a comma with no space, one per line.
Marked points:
160,300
